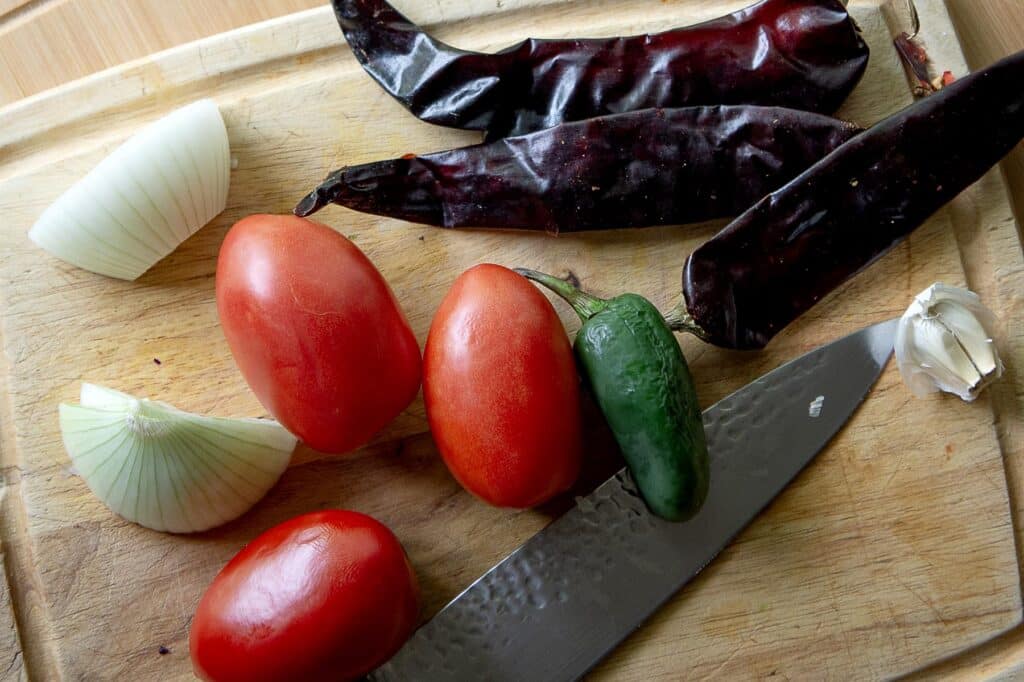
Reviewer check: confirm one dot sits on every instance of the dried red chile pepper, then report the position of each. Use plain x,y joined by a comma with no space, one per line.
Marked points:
651,167
803,54
798,244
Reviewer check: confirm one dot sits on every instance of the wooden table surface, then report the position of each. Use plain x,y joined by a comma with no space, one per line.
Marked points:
44,43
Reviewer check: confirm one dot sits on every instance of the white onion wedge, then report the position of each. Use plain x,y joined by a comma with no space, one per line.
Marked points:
171,470
145,198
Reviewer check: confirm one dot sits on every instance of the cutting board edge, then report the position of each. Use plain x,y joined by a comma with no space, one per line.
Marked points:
36,125
33,625
106,82
119,87
1002,655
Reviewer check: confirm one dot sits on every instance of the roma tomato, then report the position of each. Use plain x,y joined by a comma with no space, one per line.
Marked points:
326,596
501,390
315,330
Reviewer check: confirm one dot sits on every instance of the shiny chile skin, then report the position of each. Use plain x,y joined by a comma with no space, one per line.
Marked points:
325,596
641,168
315,330
804,54
501,390
798,244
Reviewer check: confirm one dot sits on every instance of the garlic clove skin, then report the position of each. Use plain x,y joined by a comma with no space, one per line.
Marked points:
944,343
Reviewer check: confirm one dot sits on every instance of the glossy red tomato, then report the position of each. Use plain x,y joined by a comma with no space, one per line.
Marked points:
501,390
315,330
326,596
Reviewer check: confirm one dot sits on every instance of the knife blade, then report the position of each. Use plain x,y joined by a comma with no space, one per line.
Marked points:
559,603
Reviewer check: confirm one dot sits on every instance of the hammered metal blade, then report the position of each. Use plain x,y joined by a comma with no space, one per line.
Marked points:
558,604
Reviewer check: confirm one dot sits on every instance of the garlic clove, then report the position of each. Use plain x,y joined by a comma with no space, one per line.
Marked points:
944,344
975,341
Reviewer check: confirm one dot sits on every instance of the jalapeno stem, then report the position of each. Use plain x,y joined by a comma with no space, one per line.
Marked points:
585,305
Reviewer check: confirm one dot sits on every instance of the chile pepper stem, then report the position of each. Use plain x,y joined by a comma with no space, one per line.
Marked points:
585,305
680,320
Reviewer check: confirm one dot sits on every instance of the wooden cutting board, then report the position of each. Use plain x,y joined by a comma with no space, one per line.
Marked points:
893,551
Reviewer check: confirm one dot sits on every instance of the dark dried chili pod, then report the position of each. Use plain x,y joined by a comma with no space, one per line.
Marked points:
650,167
803,54
795,246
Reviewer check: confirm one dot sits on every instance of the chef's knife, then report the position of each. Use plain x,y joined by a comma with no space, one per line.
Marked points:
558,604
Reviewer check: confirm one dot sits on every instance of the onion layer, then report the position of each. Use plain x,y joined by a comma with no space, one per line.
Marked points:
171,470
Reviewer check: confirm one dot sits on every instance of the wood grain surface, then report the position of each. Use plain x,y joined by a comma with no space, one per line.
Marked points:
894,551
989,30
11,664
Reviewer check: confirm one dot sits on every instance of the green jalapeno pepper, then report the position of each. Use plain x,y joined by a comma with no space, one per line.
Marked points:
640,379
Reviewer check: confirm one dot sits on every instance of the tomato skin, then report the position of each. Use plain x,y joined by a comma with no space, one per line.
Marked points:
328,595
315,330
501,390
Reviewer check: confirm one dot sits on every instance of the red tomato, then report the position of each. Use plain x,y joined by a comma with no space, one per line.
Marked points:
501,390
326,596
315,330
